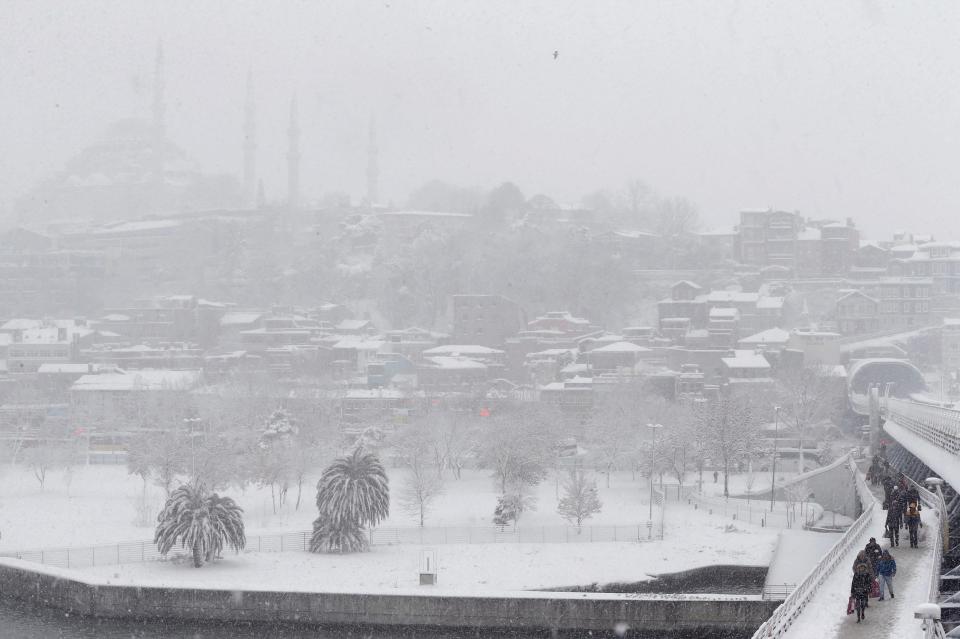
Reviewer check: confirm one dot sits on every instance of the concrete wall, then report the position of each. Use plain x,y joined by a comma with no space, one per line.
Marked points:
674,616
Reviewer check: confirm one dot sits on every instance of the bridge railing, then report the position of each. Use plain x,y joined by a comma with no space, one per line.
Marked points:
937,425
787,612
936,502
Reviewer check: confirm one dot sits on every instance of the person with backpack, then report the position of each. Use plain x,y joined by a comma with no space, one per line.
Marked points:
860,589
886,570
913,523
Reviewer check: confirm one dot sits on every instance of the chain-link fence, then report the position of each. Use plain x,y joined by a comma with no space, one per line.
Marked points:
140,551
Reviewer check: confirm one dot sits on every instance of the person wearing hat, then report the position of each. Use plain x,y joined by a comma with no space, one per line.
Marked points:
874,552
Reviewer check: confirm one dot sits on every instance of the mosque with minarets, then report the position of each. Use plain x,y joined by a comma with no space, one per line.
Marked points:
134,170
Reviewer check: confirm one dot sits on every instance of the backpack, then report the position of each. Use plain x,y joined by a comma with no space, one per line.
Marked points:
912,510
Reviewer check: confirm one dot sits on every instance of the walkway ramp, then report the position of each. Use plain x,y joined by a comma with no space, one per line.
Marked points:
825,615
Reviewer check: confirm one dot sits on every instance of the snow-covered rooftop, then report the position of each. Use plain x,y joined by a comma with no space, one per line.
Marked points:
461,349
769,336
621,347
138,380
455,363
746,359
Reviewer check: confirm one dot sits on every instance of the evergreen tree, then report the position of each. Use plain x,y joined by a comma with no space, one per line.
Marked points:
201,521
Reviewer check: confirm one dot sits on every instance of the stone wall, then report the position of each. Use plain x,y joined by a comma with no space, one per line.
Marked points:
672,615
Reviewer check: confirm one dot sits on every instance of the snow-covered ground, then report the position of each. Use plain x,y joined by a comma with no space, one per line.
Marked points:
104,504
99,505
690,542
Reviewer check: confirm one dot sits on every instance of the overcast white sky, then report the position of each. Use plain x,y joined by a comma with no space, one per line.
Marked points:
836,108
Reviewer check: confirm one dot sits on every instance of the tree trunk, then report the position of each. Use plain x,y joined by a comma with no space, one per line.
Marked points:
726,476
800,454
299,490
197,556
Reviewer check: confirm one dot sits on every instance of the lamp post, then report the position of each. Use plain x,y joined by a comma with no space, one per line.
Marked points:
653,438
773,466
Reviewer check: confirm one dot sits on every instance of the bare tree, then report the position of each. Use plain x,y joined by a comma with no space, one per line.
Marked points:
732,427
517,447
809,396
580,499
415,449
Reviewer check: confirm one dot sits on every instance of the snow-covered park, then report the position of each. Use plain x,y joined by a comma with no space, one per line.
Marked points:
104,504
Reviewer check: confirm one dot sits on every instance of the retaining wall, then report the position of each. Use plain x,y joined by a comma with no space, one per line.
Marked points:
680,615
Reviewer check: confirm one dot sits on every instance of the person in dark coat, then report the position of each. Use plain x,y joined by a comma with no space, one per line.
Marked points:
886,569
860,589
913,495
893,525
913,523
887,482
874,552
863,558
903,500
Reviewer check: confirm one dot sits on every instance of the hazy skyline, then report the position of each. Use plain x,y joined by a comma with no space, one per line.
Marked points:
832,109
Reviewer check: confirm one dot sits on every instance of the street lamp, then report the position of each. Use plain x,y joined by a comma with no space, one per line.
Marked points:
773,466
653,435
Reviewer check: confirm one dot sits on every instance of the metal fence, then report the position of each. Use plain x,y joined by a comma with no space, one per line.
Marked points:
787,612
758,511
142,551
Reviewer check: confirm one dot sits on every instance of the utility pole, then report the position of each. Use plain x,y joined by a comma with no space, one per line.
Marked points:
773,466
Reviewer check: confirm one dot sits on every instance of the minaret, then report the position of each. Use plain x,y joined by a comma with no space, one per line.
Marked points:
373,167
159,125
250,146
293,157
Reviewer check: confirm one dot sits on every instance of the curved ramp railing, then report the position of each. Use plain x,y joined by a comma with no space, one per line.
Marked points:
787,612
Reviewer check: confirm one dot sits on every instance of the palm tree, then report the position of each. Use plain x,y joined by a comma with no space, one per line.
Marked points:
353,492
201,521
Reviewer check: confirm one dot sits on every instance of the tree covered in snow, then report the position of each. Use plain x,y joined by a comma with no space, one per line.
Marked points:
731,425
273,457
809,395
352,493
580,499
517,447
414,449
201,521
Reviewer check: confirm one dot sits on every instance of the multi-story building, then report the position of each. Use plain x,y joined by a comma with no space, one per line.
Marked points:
37,342
485,319
839,244
950,344
939,261
768,238
857,313
904,302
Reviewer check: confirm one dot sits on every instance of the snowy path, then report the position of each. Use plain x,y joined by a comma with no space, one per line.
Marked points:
825,615
785,569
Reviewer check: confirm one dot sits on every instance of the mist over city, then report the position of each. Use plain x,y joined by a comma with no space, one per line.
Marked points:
479,318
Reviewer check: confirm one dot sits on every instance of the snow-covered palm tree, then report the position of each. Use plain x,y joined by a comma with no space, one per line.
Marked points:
352,493
201,521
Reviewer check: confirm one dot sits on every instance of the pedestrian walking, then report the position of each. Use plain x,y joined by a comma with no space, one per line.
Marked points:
914,524
863,558
716,476
874,552
860,589
893,525
886,570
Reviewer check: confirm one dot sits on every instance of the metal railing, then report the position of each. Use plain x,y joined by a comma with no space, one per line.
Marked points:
757,511
935,424
787,612
143,551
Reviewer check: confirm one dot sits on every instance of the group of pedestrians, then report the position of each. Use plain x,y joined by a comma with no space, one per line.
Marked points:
874,567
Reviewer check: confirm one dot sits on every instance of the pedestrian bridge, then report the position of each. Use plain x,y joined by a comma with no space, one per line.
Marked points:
925,443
